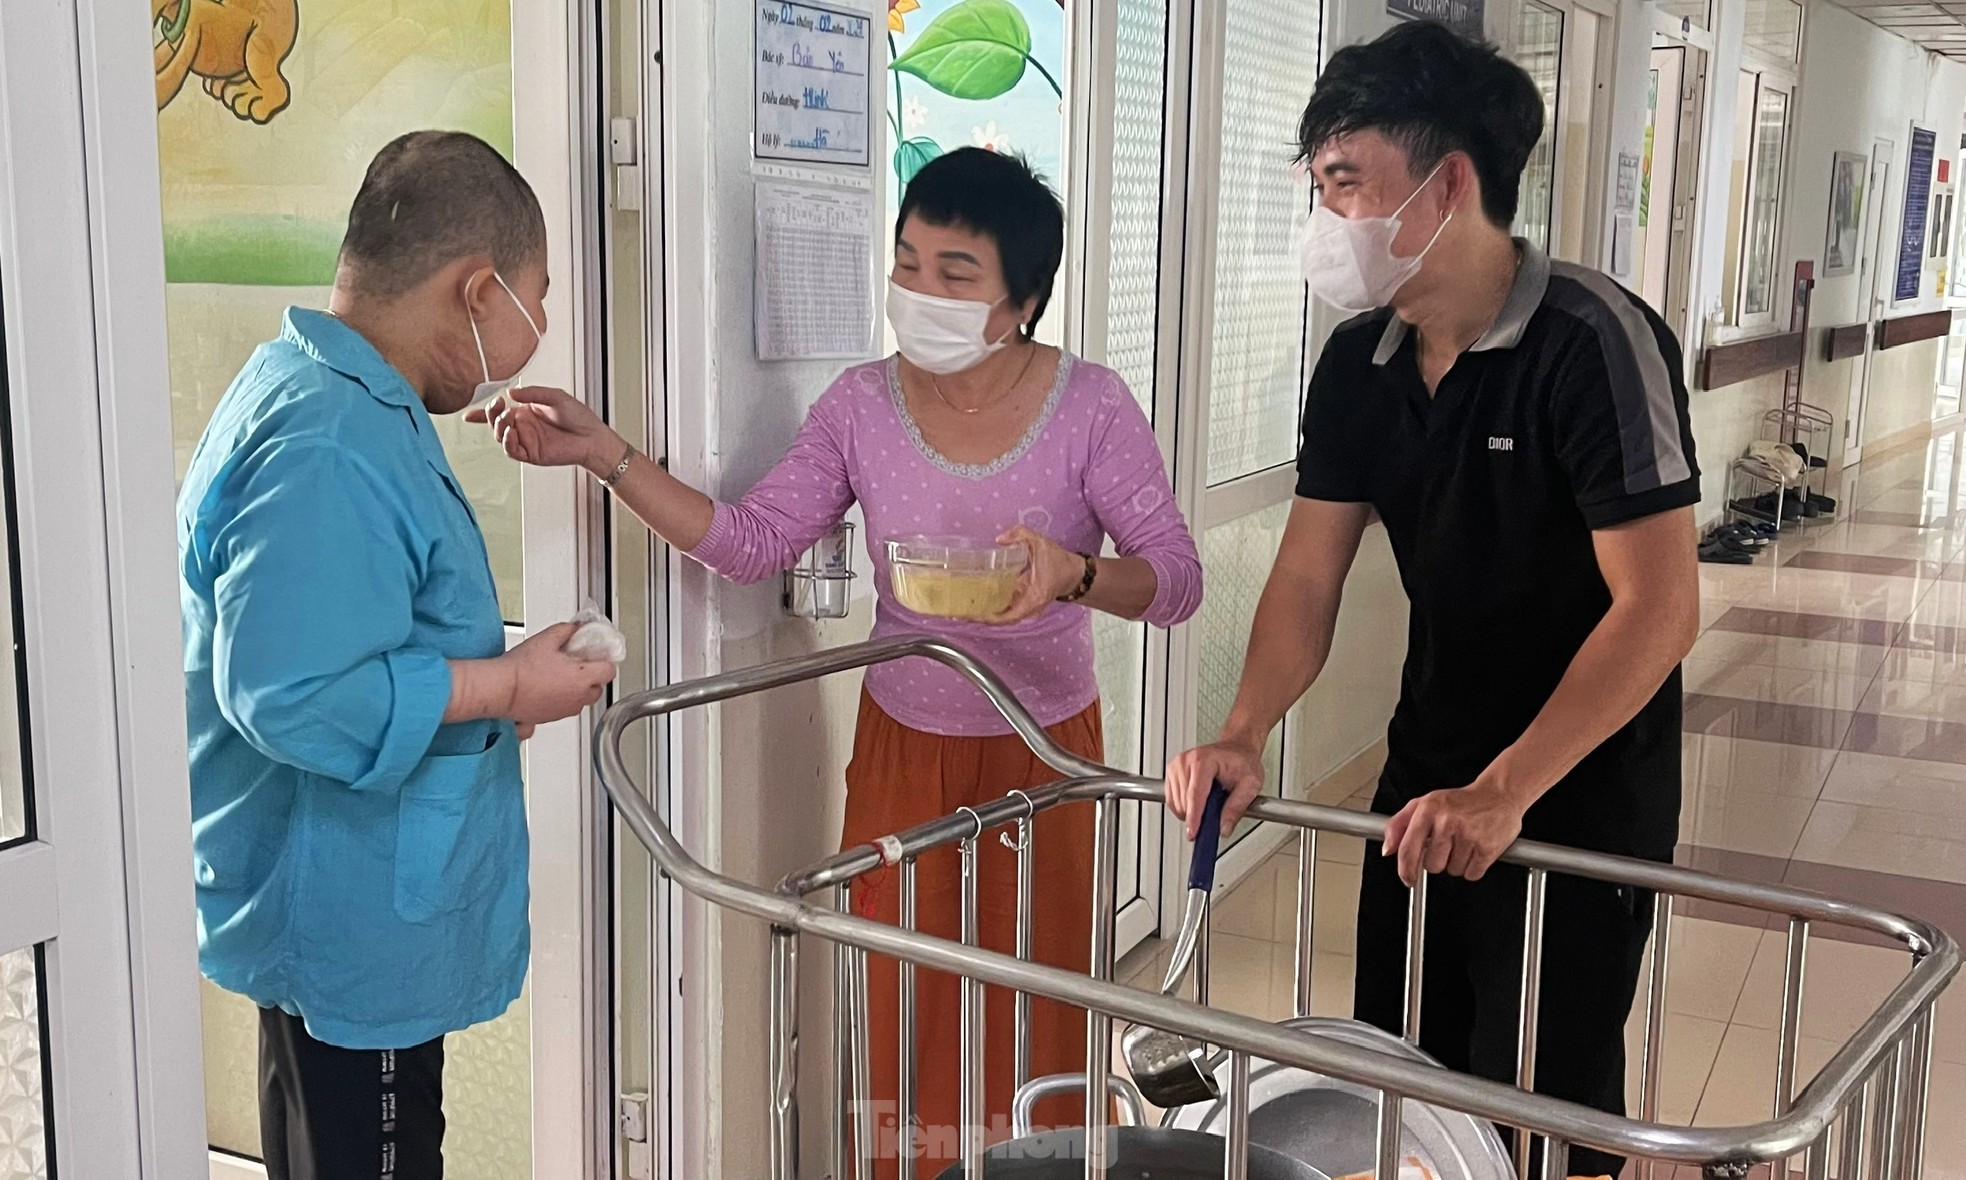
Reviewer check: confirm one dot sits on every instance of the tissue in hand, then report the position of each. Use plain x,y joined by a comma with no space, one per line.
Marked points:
596,638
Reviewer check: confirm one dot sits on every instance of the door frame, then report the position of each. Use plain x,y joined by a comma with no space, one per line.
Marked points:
1871,272
103,885
556,135
1597,144
1092,33
1190,219
1684,228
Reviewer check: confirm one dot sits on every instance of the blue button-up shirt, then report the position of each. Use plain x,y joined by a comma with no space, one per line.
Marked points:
360,864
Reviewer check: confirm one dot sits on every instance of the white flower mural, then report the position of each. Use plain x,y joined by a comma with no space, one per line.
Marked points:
990,138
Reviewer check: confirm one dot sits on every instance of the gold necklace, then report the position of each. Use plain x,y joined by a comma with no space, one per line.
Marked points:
1029,356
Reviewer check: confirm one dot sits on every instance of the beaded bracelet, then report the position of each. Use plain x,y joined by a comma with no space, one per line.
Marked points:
1085,583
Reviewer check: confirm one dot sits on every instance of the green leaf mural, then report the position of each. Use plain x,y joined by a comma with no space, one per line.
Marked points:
912,155
976,50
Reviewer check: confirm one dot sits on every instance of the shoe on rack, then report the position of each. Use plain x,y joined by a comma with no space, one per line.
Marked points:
1765,503
1751,538
1717,553
1752,508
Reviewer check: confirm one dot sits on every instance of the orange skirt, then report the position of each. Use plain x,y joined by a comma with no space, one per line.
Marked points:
900,777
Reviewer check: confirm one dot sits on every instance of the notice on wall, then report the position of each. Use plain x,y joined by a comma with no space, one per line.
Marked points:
813,87
1910,279
1628,166
813,297
1463,16
1624,227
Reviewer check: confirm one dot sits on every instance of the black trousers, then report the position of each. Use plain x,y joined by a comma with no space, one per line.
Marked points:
348,1114
1594,936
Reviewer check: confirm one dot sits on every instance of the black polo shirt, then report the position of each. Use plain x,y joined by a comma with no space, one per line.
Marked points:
1568,415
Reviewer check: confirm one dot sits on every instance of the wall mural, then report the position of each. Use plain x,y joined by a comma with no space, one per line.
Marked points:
975,73
256,193
236,46
257,180
257,173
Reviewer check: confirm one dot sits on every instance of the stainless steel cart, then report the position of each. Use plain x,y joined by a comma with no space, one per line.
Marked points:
1866,1105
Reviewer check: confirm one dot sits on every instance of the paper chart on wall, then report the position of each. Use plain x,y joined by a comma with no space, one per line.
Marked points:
813,294
1628,181
1624,228
813,84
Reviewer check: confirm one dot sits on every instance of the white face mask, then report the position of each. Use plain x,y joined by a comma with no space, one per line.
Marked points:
488,388
1349,261
940,336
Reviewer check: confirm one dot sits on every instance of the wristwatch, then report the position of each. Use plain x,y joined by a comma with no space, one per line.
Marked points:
1085,584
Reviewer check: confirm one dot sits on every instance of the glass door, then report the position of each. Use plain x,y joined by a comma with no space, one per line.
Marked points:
253,212
1539,51
1952,354
1582,131
1669,178
1126,269
1246,348
1875,278
95,887
1562,44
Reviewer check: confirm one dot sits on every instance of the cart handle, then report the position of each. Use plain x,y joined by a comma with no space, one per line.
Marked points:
1802,1127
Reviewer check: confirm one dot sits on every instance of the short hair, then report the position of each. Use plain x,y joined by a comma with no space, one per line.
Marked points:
1432,92
1004,199
431,198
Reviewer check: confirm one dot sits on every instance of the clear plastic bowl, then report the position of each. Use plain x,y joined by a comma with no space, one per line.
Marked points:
955,577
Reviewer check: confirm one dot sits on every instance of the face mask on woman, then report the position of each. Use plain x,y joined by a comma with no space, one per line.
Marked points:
941,336
1349,261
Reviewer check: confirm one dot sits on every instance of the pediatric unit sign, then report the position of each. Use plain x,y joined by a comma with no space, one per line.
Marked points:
813,85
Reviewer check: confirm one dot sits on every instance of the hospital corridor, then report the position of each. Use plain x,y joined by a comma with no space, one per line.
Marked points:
1040,589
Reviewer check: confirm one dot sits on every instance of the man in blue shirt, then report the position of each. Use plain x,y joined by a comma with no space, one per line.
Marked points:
358,813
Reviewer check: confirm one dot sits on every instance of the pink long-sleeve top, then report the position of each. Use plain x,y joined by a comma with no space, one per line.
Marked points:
1088,469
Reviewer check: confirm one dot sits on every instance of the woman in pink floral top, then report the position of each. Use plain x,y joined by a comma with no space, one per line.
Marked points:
974,430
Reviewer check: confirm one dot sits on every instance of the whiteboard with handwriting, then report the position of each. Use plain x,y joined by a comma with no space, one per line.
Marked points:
813,87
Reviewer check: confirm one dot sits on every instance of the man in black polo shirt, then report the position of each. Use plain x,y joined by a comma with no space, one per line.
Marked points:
1521,428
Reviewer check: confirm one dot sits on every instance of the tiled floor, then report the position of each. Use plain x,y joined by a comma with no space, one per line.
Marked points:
1825,748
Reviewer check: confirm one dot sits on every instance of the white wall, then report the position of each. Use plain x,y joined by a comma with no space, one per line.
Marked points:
1861,84
1857,83
766,787
761,777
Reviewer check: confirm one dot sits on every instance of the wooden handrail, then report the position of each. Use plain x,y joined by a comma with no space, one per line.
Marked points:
1845,342
1722,365
1910,329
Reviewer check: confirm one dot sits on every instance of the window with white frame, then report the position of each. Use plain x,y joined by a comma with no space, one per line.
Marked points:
1257,348
1763,117
1558,43
1539,51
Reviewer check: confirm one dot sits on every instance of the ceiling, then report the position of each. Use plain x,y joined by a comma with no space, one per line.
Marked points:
1939,26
